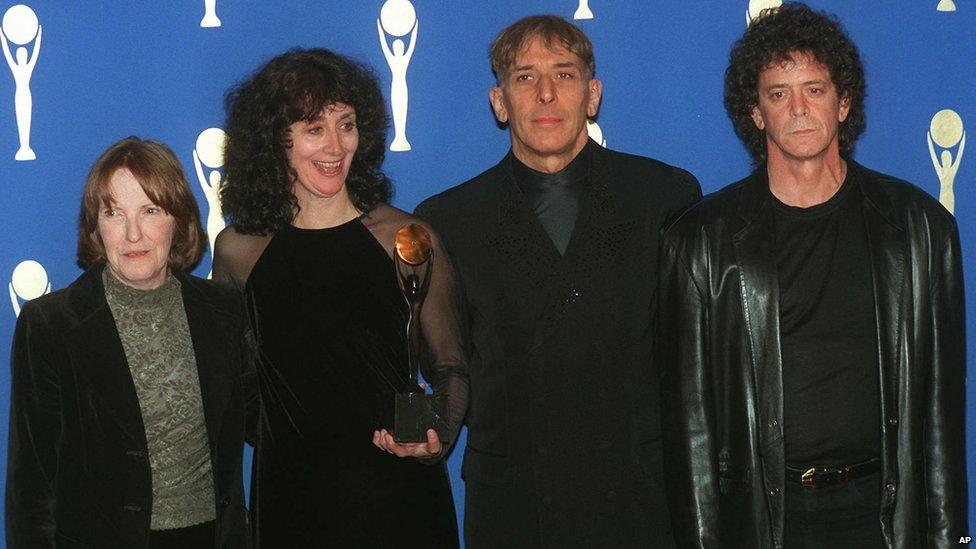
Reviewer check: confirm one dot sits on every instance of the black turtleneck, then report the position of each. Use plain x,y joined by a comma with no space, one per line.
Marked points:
555,198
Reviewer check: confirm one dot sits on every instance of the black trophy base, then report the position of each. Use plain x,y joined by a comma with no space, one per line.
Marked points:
414,413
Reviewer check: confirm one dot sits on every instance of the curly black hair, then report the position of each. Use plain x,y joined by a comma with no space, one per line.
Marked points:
773,38
297,85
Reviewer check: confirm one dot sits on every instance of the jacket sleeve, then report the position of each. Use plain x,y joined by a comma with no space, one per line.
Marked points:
682,355
35,425
944,434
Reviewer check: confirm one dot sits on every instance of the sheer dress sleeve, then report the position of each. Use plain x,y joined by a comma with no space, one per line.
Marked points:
234,256
444,363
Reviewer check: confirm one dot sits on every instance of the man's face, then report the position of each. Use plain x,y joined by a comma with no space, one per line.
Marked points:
799,109
546,99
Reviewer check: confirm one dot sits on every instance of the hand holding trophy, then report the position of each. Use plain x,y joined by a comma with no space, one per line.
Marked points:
414,410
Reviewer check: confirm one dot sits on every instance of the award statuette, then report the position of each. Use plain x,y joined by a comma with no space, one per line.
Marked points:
414,410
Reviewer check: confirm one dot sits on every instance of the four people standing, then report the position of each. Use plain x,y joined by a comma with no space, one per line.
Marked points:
806,330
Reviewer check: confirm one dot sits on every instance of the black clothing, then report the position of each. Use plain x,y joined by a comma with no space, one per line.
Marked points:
722,368
199,536
831,395
331,324
555,198
78,472
840,516
563,430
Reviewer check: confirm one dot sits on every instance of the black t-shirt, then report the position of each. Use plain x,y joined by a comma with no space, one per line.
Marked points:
831,390
555,198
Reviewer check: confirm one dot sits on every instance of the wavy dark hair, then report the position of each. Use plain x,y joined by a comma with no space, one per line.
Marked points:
297,85
773,38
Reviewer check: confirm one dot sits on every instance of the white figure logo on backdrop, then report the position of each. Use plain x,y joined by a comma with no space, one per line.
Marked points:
28,281
583,11
209,152
398,18
756,6
946,5
946,131
20,26
595,133
210,18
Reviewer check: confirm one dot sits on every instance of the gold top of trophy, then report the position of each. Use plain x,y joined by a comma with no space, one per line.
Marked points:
413,244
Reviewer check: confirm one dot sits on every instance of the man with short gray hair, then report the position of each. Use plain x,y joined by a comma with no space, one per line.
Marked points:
556,252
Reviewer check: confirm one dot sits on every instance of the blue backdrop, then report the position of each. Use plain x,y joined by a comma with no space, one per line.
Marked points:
89,73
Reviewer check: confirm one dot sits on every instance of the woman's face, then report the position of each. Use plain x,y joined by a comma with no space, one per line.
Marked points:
136,233
322,151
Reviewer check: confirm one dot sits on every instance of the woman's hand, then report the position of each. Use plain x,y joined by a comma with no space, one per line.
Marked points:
383,440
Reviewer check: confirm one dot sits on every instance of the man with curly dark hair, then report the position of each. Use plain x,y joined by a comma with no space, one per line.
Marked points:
811,324
556,250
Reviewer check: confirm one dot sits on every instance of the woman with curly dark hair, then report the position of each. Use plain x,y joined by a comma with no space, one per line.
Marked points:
311,246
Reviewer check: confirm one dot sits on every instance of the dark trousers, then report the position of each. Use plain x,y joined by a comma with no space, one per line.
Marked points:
191,537
843,515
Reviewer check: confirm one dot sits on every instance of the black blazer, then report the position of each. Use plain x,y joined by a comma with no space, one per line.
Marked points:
78,472
563,446
723,371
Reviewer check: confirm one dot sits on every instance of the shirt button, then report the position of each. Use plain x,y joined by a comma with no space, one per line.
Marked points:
773,423
774,491
890,487
893,421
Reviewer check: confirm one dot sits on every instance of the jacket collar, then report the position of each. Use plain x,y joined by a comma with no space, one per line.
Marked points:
754,194
556,282
514,216
94,344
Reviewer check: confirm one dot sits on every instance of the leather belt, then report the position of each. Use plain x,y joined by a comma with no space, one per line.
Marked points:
820,477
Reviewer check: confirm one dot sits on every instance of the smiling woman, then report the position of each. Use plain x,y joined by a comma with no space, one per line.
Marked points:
321,152
311,247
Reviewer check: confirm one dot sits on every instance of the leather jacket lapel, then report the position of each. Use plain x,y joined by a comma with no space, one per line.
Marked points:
759,292
888,259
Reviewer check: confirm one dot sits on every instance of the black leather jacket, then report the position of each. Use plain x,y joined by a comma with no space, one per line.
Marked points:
718,347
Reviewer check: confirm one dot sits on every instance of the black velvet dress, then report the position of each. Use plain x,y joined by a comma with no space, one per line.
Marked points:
330,322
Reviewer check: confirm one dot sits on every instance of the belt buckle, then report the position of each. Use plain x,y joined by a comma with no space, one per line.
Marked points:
807,478
829,475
